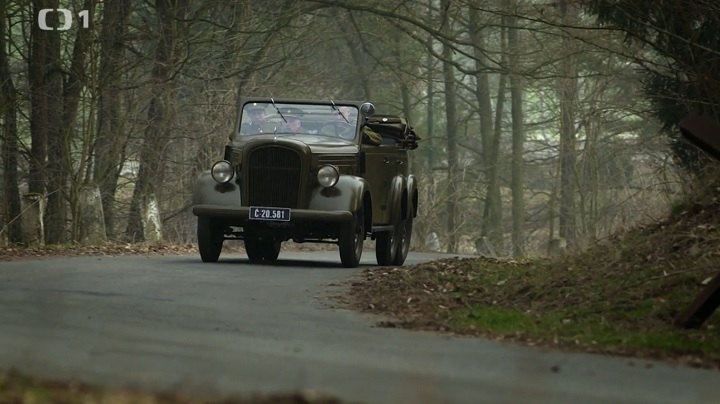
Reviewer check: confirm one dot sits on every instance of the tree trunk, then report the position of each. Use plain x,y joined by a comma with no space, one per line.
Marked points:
110,138
8,109
37,70
426,228
450,129
72,88
429,66
156,134
518,140
48,147
32,219
491,226
590,179
92,224
567,89
493,214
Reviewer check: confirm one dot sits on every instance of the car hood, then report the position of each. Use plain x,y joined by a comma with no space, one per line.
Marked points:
316,143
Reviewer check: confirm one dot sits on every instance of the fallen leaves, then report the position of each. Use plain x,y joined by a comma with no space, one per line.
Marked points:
109,249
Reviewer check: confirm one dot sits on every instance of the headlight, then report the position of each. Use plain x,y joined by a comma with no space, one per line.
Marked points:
222,171
328,176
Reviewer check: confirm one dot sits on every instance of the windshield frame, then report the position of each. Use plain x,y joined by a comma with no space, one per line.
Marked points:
332,120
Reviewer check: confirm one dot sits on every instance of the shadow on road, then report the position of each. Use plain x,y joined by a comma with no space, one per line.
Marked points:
285,263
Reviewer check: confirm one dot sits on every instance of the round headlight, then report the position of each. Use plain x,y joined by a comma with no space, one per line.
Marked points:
328,176
222,171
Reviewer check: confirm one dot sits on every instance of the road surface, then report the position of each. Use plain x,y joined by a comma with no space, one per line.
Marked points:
215,330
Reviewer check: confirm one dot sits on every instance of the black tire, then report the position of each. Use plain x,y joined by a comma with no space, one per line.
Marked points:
266,250
351,240
386,246
271,250
252,249
210,239
404,233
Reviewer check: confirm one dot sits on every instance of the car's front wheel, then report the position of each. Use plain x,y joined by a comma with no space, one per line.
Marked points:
210,238
262,250
351,240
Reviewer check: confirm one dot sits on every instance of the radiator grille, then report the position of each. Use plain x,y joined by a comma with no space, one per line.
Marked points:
274,177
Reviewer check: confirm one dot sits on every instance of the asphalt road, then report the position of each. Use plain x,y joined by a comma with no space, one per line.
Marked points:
231,328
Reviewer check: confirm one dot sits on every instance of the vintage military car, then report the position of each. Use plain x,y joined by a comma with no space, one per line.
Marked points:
310,171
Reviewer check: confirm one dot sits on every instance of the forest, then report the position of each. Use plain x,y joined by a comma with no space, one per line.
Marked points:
545,125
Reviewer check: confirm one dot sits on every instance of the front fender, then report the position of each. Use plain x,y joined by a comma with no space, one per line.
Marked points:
347,194
210,192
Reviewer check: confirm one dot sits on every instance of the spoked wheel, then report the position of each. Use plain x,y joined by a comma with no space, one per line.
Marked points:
262,250
351,240
210,238
404,232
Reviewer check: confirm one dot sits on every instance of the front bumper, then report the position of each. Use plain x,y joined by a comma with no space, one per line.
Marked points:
240,215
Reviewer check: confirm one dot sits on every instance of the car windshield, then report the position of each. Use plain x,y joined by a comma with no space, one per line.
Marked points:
282,118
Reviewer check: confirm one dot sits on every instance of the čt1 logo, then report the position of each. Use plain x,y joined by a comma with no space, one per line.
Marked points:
67,19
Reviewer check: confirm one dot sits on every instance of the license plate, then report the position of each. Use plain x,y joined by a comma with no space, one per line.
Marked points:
269,214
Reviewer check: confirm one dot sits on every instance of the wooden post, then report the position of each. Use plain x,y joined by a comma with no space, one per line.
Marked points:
704,305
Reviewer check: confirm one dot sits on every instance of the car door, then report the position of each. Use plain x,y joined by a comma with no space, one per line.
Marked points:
382,163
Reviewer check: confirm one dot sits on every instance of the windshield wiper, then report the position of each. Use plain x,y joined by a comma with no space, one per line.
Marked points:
278,110
338,111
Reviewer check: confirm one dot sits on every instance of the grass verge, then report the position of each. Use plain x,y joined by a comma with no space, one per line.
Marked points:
620,296
548,303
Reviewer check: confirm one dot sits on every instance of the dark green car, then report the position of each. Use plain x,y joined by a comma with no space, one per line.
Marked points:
310,171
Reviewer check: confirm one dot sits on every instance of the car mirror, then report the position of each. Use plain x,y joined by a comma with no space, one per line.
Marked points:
367,108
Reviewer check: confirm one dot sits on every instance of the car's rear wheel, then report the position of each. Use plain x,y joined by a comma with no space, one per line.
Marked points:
210,238
351,240
386,247
404,232
262,250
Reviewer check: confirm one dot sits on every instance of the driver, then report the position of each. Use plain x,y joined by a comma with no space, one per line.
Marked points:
293,122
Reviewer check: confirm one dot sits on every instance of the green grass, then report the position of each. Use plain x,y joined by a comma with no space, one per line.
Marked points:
595,332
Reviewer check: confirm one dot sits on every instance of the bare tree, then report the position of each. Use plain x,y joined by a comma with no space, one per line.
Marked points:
48,148
169,13
567,95
9,104
491,225
518,135
450,130
110,139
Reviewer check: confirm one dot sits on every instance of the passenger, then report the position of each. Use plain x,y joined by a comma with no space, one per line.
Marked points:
347,117
254,119
345,128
